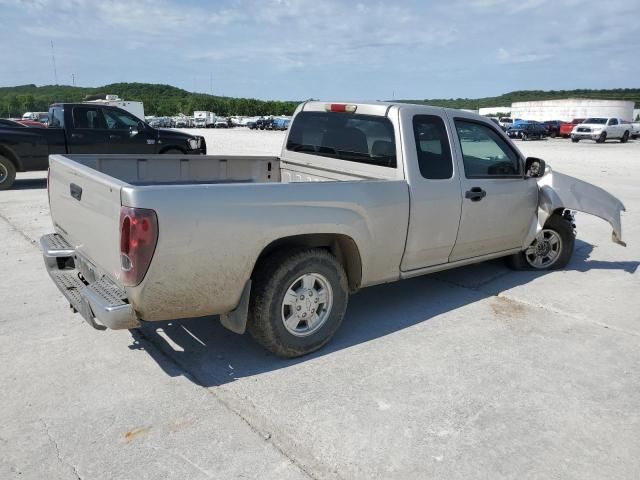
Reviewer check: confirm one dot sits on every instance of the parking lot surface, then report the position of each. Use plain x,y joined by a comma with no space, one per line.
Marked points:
478,372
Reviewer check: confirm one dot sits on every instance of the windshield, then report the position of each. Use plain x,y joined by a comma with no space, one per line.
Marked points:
599,121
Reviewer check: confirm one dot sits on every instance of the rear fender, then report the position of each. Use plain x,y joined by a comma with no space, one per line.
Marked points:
559,191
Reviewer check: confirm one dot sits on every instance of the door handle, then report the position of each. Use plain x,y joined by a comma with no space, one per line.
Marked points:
75,191
475,194
76,135
114,137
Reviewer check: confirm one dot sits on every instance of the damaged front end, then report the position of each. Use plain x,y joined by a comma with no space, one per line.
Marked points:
560,192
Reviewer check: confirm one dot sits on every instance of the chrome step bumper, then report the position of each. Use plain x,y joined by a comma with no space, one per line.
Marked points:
101,303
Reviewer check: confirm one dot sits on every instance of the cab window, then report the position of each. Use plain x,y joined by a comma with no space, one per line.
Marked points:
432,145
57,118
352,137
87,118
485,153
117,120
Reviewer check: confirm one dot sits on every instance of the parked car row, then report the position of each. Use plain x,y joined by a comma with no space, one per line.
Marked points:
598,129
278,123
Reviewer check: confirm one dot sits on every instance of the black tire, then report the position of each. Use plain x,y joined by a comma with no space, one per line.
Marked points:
273,277
7,173
524,137
602,138
625,137
564,229
553,135
575,140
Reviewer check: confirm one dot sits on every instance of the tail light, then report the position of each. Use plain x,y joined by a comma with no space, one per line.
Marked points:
138,239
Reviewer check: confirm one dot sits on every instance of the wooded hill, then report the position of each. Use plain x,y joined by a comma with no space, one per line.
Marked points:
160,100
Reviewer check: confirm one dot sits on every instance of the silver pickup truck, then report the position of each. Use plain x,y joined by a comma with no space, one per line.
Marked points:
362,194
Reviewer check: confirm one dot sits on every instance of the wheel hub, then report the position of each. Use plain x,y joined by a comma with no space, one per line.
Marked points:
307,304
545,249
3,173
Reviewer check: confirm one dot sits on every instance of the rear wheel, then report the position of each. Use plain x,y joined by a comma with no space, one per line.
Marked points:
625,137
298,300
602,138
575,140
524,137
7,173
550,250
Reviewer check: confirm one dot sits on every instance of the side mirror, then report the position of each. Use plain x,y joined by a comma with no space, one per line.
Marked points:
132,131
534,167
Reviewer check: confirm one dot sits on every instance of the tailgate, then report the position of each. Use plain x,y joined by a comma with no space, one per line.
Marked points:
85,209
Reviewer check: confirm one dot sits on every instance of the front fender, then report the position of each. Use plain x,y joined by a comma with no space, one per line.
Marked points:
560,191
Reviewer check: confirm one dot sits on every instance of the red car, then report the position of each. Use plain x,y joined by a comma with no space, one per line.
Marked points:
566,128
31,123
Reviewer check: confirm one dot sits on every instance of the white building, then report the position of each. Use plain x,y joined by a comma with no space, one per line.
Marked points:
491,111
570,108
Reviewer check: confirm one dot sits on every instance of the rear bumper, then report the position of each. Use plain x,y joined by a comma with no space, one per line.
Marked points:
102,303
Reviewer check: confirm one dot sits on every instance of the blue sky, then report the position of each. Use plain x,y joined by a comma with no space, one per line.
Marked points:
296,49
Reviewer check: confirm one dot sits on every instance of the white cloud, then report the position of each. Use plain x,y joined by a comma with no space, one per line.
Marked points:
520,56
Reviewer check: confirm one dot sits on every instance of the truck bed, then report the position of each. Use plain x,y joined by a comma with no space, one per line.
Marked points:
194,170
208,206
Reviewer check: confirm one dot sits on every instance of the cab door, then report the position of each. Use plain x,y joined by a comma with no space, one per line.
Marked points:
614,127
128,133
86,132
434,188
498,202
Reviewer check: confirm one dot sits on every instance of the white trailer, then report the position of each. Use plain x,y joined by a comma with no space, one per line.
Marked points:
135,108
204,119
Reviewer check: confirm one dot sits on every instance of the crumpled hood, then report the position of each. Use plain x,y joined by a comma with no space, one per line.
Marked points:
558,190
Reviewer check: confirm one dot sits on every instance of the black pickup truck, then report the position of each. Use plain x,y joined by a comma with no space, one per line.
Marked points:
86,128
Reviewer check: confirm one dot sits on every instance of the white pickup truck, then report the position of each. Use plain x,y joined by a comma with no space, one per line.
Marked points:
362,194
601,129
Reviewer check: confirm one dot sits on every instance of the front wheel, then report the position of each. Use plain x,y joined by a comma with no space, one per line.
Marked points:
524,137
602,138
575,140
550,250
7,173
297,302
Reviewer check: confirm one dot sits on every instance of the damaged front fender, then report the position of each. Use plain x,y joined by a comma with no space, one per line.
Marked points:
559,191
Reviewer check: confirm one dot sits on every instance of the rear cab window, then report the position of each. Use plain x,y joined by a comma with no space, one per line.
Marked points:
432,145
366,139
57,117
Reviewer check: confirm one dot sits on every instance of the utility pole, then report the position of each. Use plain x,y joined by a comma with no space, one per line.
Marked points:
53,59
73,79
211,84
